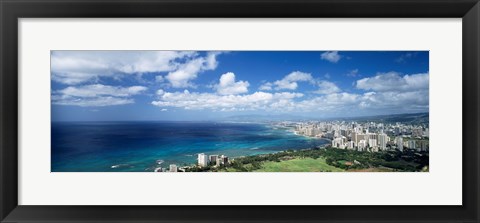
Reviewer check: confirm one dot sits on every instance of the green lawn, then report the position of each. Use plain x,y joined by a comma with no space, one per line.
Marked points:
299,165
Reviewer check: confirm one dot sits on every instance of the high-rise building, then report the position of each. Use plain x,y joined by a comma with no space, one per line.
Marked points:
338,142
222,160
350,144
412,144
173,168
213,159
372,143
382,141
202,160
362,144
355,137
399,143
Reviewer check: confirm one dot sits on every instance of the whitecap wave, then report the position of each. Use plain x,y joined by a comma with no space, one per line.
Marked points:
120,166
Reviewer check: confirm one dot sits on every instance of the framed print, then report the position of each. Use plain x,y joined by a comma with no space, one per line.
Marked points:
203,111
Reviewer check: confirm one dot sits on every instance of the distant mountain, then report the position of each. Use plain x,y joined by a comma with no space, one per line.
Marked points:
266,118
416,118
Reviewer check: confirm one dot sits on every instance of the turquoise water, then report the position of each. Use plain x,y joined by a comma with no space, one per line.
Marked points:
139,146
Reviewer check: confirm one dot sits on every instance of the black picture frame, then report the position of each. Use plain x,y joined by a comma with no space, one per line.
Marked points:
12,10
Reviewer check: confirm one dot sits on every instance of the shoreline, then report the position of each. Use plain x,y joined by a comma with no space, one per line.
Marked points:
269,126
324,159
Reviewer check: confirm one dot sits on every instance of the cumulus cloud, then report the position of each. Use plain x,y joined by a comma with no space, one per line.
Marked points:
392,92
199,101
399,101
160,92
95,90
92,102
331,56
159,78
332,103
96,95
189,71
227,85
335,102
411,95
327,87
266,86
77,67
393,81
290,81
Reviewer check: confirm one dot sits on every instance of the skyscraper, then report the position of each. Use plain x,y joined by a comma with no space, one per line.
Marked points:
382,141
399,142
202,160
213,159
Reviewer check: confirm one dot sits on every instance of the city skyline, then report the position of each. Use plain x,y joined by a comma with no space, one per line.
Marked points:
184,85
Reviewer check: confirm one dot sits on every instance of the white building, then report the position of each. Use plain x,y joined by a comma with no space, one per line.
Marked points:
350,144
338,142
412,144
382,141
362,144
372,143
399,143
173,168
202,160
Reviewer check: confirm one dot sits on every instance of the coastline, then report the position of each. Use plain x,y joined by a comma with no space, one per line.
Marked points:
262,151
326,159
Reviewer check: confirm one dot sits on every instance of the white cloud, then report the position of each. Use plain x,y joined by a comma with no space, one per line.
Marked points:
353,73
76,67
410,101
189,71
227,85
406,56
327,87
96,95
392,92
333,104
91,102
367,104
387,93
331,56
393,81
160,92
199,101
290,81
159,78
95,90
266,86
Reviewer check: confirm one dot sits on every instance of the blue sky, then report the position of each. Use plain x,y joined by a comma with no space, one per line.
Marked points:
203,85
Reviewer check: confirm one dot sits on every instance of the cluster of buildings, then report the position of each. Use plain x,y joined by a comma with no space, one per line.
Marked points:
203,161
214,160
368,136
172,168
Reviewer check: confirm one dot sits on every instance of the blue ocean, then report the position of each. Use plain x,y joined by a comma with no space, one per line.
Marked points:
144,146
